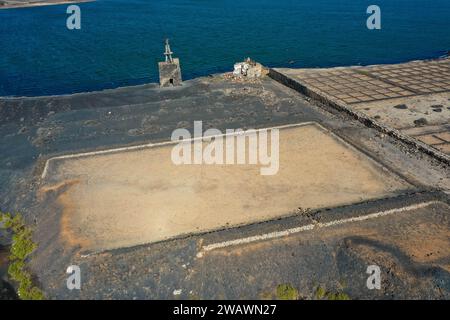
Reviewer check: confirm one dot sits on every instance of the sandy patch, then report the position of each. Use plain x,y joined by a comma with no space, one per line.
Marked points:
129,198
434,108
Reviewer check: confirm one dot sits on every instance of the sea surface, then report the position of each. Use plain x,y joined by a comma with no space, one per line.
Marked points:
121,41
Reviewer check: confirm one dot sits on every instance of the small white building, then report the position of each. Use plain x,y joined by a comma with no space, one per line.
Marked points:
248,69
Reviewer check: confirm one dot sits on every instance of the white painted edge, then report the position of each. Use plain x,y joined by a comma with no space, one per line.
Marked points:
284,233
165,143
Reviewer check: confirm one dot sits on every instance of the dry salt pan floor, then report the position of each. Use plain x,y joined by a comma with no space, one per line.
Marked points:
133,197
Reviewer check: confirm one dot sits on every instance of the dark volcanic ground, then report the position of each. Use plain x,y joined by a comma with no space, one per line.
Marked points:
6,289
411,248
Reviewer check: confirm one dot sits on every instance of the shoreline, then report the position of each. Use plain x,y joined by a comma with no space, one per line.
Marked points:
188,80
41,4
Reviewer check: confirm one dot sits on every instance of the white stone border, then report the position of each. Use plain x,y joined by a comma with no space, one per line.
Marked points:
279,234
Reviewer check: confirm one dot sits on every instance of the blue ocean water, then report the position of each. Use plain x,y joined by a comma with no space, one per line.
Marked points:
121,41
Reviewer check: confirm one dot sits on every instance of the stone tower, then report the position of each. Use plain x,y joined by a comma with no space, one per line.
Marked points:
169,70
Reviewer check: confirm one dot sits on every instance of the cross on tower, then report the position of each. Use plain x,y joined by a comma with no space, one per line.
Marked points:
168,52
